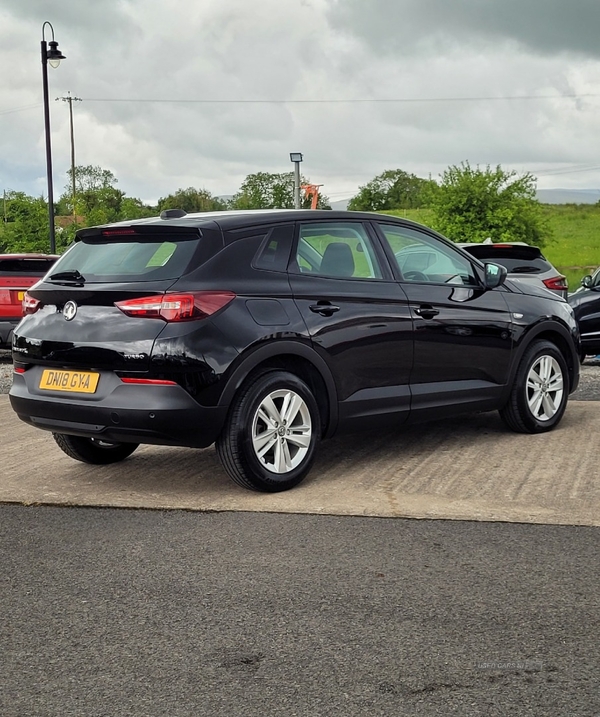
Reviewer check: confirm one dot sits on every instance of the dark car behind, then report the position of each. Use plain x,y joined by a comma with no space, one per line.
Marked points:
586,307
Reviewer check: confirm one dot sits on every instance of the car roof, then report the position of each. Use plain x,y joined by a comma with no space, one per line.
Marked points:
232,219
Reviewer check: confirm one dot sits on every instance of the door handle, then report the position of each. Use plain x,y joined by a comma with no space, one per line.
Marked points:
426,312
324,308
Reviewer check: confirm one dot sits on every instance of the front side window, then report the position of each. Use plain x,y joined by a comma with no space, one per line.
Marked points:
340,250
422,258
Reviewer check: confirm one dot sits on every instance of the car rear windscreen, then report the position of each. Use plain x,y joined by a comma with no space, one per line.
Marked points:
127,259
25,267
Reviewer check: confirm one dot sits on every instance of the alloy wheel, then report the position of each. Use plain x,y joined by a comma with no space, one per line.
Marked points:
545,388
281,431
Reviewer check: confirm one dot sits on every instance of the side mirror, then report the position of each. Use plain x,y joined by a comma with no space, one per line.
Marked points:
494,275
586,282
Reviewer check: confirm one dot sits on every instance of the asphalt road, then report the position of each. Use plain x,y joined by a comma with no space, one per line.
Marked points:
144,613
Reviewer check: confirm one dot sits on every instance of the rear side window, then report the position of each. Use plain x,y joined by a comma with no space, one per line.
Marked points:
25,267
340,250
147,259
274,251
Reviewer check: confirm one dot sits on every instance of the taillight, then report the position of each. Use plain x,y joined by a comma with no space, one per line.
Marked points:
557,283
30,305
177,307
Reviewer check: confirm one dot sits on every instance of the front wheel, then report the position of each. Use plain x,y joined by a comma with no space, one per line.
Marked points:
539,394
93,450
271,434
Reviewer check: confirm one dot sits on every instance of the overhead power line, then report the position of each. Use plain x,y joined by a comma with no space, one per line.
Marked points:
20,109
555,172
346,101
363,100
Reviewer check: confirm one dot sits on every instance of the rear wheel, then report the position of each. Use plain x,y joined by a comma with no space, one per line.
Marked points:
272,431
539,394
94,450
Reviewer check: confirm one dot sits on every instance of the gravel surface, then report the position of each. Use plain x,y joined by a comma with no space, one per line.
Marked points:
589,386
5,371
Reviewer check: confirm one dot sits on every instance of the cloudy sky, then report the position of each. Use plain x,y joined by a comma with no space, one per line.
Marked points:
179,93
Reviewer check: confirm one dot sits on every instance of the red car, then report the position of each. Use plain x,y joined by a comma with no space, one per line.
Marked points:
17,273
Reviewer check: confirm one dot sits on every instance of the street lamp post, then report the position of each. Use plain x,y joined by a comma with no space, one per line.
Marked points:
296,158
53,56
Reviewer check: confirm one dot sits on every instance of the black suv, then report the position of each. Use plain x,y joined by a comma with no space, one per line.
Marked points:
267,331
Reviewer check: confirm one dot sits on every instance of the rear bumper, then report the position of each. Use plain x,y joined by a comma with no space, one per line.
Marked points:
127,413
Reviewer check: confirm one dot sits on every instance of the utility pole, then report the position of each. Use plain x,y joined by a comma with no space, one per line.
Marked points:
70,100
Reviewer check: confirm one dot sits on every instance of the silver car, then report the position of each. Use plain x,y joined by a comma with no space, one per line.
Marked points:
523,262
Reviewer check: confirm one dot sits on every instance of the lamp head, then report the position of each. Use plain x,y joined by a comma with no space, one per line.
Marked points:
295,156
54,55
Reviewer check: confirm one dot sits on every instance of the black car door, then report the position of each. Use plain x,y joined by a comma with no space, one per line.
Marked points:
463,338
357,316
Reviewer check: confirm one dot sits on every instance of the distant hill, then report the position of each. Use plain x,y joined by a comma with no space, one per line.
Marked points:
568,196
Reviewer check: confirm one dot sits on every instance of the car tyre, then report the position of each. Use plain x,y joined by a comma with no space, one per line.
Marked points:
93,450
271,434
540,390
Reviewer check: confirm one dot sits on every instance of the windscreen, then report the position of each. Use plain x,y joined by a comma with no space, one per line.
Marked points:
129,259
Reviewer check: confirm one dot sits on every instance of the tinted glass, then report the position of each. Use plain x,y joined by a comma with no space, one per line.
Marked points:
274,252
337,249
25,267
128,260
422,258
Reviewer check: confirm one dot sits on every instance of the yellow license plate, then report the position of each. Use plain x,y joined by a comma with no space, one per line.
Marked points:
21,295
73,381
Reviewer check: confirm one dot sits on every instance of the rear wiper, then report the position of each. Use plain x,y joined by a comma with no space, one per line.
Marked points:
70,274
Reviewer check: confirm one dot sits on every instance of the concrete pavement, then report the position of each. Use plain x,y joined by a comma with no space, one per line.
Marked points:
471,468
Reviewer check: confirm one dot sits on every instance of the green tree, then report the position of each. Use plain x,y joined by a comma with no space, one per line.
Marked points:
132,208
472,204
26,225
272,191
393,189
192,200
97,200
